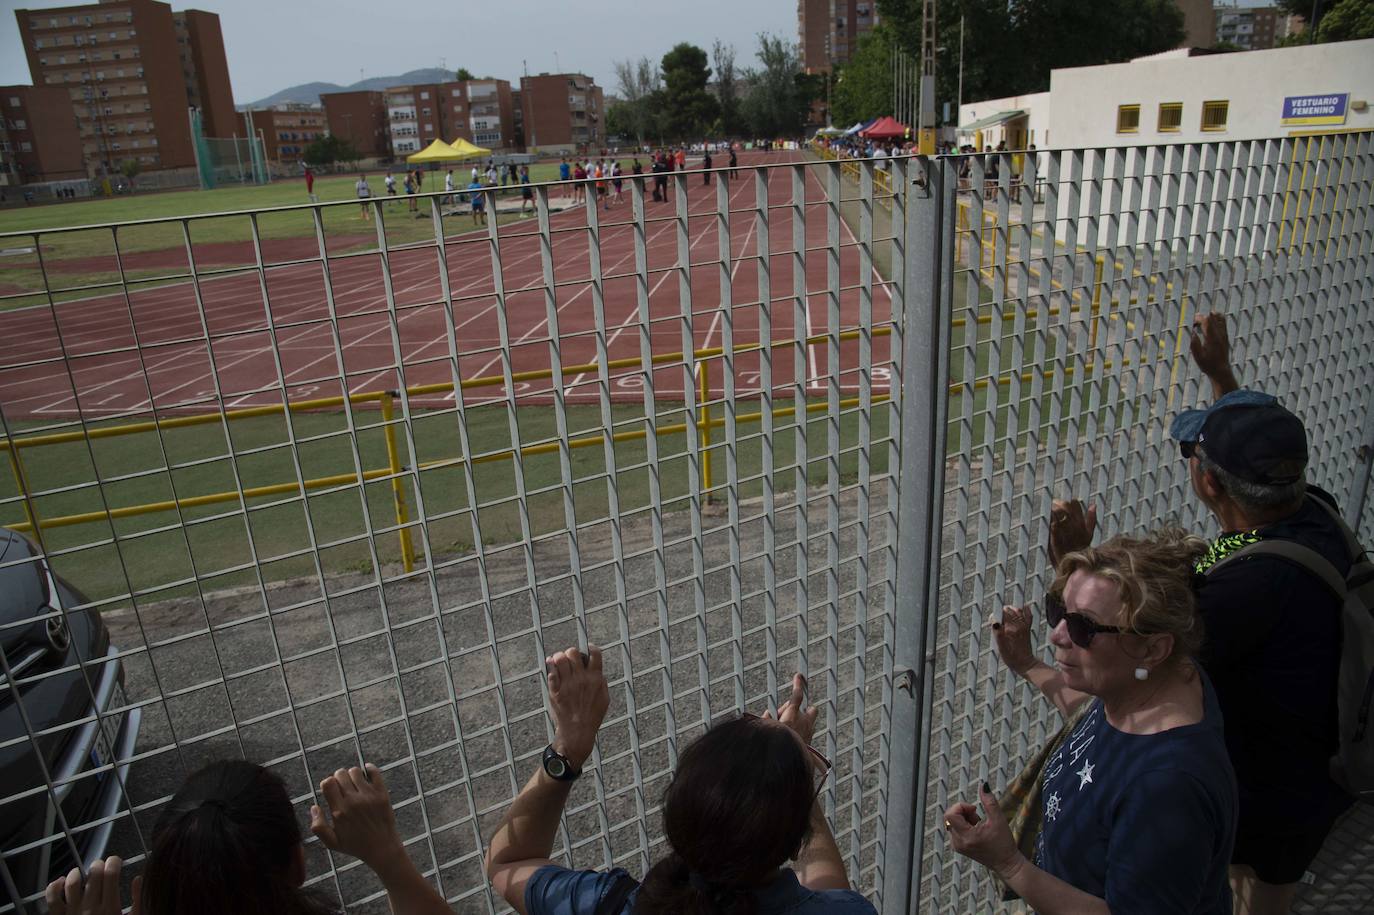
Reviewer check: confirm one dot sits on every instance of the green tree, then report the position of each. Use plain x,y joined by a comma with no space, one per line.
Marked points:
637,84
1010,46
688,107
863,87
463,75
727,86
329,149
130,168
780,94
1346,20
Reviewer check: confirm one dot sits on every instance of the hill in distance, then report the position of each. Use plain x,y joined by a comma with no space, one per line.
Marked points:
309,93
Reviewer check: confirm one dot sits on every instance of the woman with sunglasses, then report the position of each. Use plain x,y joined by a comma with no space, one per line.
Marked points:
742,803
1139,800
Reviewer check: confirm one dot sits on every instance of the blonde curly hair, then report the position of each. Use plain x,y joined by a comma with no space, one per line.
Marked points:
1154,575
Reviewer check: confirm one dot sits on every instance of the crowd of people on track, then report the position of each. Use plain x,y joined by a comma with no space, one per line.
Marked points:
1195,679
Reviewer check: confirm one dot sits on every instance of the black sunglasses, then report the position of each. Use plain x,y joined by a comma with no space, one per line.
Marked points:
1186,449
1081,628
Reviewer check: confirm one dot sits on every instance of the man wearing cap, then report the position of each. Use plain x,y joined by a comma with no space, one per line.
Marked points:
1273,630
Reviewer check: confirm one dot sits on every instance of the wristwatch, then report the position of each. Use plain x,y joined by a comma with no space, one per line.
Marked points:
558,767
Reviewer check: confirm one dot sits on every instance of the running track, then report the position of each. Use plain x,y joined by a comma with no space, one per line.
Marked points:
103,357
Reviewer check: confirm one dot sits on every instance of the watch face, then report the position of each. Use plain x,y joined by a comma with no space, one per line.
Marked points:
556,767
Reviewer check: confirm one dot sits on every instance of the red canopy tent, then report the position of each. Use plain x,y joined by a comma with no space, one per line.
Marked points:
886,128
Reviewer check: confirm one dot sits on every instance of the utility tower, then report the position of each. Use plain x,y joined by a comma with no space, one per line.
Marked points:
927,116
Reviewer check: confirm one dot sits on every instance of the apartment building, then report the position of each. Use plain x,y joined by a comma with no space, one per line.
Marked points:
412,114
287,129
563,112
829,30
1253,28
481,111
360,118
38,137
130,74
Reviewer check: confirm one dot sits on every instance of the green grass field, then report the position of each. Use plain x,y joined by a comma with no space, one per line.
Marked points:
160,551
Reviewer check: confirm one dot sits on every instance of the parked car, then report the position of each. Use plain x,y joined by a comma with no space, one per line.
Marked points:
66,733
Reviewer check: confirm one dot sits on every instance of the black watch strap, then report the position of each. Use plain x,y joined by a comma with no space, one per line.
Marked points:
558,767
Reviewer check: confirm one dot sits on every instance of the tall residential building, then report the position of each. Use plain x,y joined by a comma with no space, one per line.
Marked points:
413,117
287,129
131,74
562,111
360,118
481,111
1253,28
830,30
206,70
38,138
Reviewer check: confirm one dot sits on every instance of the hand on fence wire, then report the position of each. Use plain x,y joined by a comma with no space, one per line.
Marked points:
795,713
1072,526
361,822
98,894
1013,639
578,699
1211,344
988,841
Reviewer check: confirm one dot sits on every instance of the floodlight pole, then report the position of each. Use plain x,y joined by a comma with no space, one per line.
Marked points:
927,118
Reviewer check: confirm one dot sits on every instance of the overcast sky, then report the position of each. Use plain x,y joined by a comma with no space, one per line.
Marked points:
273,44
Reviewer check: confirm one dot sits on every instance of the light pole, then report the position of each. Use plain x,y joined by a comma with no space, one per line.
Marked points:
961,70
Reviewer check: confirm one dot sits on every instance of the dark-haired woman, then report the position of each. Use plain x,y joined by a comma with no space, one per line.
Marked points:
741,805
228,843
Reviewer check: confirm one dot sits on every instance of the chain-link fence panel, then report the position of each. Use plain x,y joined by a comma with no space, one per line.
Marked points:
1071,290
325,484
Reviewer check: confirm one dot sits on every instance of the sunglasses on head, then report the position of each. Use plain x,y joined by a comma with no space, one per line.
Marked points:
1081,628
823,765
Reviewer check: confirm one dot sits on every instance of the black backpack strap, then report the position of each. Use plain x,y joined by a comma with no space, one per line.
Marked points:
614,900
1304,557
1352,542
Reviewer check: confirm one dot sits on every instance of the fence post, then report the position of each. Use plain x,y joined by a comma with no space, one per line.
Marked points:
398,495
920,494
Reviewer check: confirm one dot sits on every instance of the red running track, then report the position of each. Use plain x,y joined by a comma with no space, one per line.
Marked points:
105,356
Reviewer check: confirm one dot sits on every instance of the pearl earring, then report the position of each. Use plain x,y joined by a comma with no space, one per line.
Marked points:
1142,673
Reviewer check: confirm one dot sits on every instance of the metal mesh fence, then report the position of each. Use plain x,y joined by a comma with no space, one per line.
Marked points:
326,484
1075,276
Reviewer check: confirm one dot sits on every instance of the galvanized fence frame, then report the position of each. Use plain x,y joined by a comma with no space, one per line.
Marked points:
1084,269
706,594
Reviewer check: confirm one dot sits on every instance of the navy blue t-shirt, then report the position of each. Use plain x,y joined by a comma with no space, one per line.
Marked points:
1145,821
555,890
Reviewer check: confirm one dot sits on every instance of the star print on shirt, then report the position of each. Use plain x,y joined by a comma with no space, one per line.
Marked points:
1085,774
1052,806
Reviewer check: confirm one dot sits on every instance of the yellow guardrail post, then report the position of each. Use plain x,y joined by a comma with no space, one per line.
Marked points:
1095,313
398,495
704,424
22,481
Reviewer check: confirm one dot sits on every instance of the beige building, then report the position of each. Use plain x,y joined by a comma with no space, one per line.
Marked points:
1199,23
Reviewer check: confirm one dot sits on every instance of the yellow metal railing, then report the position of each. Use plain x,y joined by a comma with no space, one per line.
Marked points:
705,422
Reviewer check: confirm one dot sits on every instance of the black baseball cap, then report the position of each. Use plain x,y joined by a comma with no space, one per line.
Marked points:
1249,434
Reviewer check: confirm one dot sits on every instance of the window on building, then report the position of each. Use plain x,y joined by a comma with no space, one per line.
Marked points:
1170,117
26,146
1214,115
424,95
14,101
20,124
1128,119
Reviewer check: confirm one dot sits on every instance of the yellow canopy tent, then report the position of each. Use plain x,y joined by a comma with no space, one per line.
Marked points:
438,151
467,149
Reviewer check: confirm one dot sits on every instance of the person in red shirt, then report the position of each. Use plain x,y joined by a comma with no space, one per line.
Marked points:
309,183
